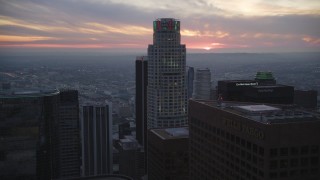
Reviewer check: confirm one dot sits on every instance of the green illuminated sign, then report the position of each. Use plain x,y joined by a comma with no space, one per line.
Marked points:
166,25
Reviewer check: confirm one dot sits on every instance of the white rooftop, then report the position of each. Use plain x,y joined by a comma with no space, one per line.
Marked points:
258,108
177,131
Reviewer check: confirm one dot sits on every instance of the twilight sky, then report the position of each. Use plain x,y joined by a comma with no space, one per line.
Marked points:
206,25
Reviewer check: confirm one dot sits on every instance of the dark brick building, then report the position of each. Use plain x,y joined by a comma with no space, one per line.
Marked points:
168,154
251,141
255,91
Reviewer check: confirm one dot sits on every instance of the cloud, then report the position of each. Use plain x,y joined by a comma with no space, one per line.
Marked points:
103,23
23,38
311,40
124,29
198,33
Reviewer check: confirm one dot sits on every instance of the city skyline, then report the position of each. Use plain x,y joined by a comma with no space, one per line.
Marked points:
208,26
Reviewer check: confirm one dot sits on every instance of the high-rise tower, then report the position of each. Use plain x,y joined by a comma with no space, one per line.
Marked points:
166,92
68,147
190,75
39,134
202,84
96,129
141,99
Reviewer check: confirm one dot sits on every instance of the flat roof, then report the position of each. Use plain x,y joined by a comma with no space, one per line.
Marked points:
172,133
102,177
176,132
231,81
23,93
266,114
258,108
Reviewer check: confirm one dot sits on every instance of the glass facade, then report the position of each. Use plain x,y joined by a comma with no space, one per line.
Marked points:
167,93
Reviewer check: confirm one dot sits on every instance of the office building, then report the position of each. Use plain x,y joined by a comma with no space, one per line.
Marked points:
39,134
252,141
96,132
168,154
190,80
202,84
166,91
141,103
104,177
265,78
131,158
253,91
124,129
67,132
141,99
306,99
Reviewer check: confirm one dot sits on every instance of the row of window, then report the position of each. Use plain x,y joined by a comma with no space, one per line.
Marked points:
241,159
294,163
294,151
294,173
209,131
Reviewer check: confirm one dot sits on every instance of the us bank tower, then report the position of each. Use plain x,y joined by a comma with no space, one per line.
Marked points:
166,91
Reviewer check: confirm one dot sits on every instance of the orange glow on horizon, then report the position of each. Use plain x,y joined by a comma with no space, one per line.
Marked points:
75,46
24,38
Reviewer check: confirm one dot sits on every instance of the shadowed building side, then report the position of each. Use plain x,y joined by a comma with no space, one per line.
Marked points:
96,132
237,140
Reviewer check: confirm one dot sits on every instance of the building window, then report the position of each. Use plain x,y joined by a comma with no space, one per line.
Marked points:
237,140
314,171
243,143
294,173
255,148
314,161
284,174
273,152
314,149
294,162
284,152
273,175
305,150
283,163
273,164
261,151
294,151
261,174
248,145
304,172
304,162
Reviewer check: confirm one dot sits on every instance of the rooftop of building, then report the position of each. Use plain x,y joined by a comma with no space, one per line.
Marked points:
94,103
238,80
172,133
266,114
23,93
166,19
103,177
129,143
252,83
203,69
264,76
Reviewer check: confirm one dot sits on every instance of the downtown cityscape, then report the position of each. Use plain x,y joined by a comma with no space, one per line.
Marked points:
163,113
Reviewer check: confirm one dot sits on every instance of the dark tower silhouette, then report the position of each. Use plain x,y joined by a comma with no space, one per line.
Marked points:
141,102
141,99
39,134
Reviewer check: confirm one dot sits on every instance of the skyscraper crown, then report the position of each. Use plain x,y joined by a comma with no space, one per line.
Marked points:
166,24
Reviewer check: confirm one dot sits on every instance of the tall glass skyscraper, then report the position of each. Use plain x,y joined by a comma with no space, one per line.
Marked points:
167,93
202,84
39,134
96,133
